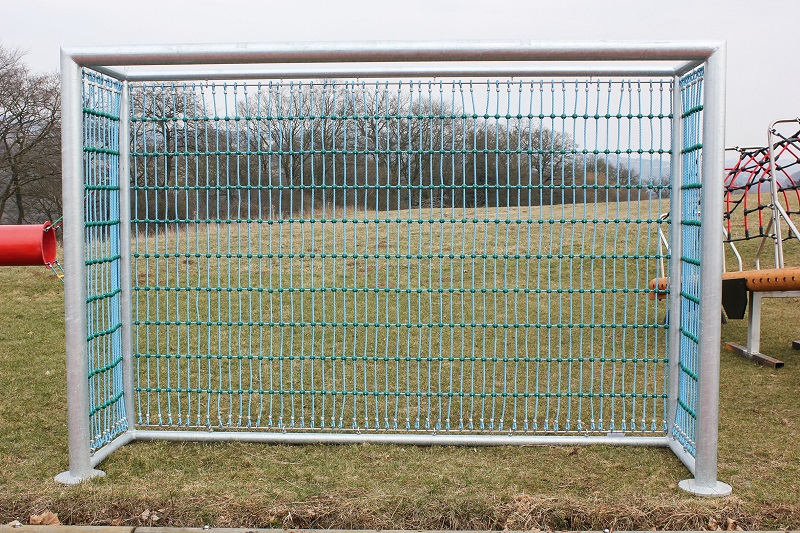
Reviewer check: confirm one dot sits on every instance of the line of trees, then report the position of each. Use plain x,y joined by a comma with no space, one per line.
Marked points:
30,142
288,150
295,148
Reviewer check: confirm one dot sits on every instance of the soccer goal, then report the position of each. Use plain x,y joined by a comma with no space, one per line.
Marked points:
390,242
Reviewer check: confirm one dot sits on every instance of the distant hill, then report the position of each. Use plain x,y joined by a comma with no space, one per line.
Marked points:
652,169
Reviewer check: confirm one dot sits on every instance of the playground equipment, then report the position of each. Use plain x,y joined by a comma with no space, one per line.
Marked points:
764,183
29,245
741,287
333,253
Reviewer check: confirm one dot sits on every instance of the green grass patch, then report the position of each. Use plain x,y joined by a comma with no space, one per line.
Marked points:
489,317
392,487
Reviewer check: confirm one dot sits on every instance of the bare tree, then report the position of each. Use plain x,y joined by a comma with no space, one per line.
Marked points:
29,133
278,150
172,147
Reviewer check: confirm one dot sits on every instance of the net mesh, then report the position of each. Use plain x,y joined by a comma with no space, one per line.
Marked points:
402,256
101,99
684,428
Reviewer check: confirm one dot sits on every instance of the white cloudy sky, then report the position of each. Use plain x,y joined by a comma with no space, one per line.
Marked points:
763,68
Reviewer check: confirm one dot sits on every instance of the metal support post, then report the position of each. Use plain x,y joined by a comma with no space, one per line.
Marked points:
773,186
754,323
80,467
752,350
675,246
705,481
125,253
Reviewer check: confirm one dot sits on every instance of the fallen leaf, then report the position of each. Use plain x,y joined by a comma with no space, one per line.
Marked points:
47,518
14,523
145,515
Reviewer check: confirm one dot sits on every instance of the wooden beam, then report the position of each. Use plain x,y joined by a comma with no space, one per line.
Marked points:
771,279
766,280
758,358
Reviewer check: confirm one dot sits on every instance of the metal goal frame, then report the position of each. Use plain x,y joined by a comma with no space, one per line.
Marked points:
672,61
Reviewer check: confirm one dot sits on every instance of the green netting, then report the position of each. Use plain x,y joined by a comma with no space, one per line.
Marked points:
684,429
101,100
402,256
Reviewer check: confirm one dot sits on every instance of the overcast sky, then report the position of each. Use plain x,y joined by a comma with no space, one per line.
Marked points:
763,67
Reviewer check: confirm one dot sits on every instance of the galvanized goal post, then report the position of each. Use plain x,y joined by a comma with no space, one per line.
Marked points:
394,242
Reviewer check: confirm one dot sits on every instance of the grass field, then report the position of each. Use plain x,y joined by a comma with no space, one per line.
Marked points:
419,304
387,487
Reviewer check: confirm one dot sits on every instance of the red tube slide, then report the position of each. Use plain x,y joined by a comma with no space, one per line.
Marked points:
27,245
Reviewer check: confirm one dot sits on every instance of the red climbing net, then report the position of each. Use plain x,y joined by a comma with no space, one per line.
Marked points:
748,188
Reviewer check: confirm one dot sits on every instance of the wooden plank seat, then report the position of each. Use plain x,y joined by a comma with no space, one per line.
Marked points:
740,288
772,279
